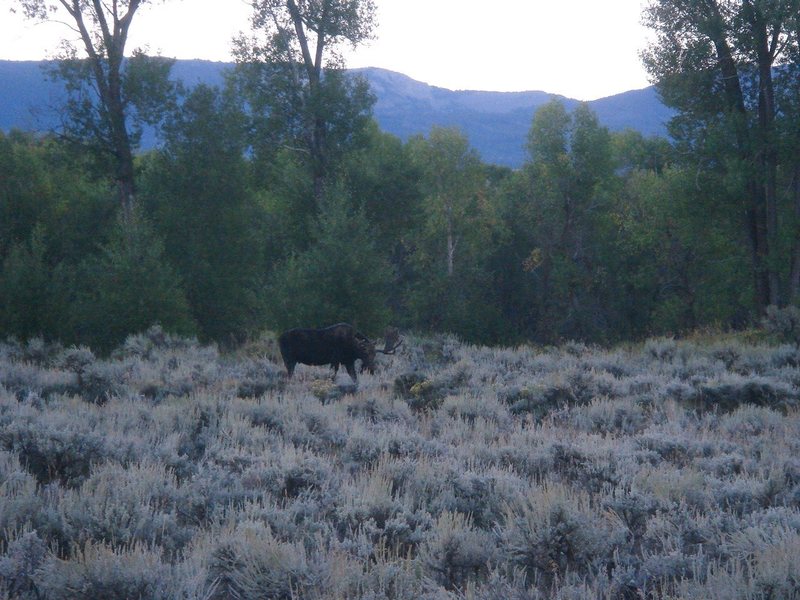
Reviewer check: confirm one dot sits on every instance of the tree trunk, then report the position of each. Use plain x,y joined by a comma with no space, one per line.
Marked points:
794,279
452,242
757,235
756,211
121,140
106,62
313,65
766,151
126,188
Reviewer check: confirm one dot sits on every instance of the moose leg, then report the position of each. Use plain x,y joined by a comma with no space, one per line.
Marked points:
290,368
351,370
335,367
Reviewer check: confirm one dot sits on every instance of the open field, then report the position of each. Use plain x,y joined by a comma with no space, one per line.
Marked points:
665,470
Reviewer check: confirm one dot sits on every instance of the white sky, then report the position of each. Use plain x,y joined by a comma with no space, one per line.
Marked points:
584,49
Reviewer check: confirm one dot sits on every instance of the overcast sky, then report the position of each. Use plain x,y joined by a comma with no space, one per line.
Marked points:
583,49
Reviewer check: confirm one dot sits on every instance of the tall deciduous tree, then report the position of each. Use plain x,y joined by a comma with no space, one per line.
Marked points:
104,89
569,171
197,190
788,125
451,182
292,69
716,62
456,236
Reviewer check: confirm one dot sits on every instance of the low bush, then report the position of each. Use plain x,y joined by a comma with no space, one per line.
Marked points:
555,536
258,378
420,393
250,563
732,391
57,450
784,323
24,556
455,472
98,571
458,554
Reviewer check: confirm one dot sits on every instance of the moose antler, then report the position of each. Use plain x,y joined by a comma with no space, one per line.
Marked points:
391,340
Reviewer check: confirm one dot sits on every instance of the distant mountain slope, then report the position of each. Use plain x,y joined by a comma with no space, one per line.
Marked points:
495,122
25,96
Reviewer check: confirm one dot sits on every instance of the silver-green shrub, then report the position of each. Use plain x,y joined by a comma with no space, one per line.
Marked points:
98,571
662,470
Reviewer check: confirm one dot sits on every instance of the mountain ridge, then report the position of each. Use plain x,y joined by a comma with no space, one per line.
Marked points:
496,123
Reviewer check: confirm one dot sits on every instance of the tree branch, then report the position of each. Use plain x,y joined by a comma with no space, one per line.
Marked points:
321,35
103,22
297,19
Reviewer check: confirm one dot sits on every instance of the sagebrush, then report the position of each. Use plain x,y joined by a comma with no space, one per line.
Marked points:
663,470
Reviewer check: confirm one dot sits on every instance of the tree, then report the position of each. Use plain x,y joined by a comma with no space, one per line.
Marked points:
342,276
25,294
788,126
380,174
715,61
104,89
569,174
451,182
25,188
632,151
455,239
294,77
53,214
126,288
381,178
196,189
673,268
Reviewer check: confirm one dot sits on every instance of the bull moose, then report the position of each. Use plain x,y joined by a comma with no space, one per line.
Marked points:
336,345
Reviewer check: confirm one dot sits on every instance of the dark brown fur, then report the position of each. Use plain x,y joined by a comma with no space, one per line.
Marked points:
336,345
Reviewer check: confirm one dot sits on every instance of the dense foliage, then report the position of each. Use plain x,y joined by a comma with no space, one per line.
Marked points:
731,67
275,201
599,236
665,470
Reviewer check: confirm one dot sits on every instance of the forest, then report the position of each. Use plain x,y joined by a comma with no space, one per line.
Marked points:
275,201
